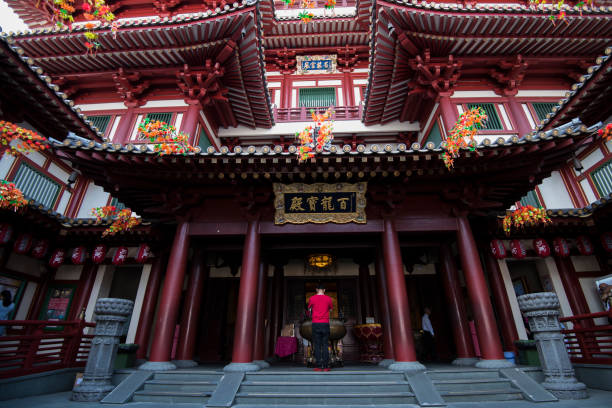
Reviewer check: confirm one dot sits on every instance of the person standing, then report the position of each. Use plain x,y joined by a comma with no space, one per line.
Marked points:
428,336
320,305
6,307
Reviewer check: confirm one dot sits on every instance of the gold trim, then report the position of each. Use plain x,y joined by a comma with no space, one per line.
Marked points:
315,58
358,216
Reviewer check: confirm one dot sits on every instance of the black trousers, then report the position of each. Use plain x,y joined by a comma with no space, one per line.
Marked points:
320,340
429,347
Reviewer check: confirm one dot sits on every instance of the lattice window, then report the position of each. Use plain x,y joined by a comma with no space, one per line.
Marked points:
531,199
115,201
203,141
542,109
602,178
493,122
36,186
435,135
163,116
100,121
317,97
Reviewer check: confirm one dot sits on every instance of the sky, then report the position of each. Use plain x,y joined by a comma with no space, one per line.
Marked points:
9,20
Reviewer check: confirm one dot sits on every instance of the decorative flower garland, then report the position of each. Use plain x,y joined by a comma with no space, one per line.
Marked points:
123,220
606,133
306,16
30,140
467,125
557,6
309,144
10,196
165,137
525,215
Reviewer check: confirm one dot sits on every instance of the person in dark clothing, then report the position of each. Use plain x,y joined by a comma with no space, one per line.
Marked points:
320,305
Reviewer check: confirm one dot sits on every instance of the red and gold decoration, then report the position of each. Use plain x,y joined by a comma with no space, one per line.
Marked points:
497,249
541,247
40,248
370,338
122,220
6,233
23,244
144,252
517,249
57,258
317,138
525,215
606,132
79,254
10,196
467,126
585,246
120,256
606,241
98,254
165,137
29,141
561,247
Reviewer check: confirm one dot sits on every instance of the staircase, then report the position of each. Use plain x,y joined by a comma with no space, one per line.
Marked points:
473,385
268,388
181,386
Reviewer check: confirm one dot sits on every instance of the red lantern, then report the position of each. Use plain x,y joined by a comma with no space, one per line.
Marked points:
120,255
497,249
23,244
517,249
57,258
606,241
99,254
40,248
78,255
561,247
143,253
541,247
585,246
6,233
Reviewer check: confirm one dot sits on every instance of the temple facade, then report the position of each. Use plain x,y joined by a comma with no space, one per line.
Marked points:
235,235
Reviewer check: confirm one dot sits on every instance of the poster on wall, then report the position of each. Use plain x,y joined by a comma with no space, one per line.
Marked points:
14,286
604,289
57,304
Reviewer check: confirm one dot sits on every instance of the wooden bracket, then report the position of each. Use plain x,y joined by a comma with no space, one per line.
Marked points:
131,87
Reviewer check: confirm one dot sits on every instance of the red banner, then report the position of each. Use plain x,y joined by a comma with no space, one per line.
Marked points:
541,247
143,253
40,248
78,255
6,233
518,249
23,244
98,254
57,258
497,249
561,247
606,241
585,246
120,255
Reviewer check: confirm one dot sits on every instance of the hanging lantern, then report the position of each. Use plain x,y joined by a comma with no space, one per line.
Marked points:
6,233
98,254
40,248
541,247
23,244
606,241
518,249
57,258
143,253
120,255
561,247
585,246
497,249
78,255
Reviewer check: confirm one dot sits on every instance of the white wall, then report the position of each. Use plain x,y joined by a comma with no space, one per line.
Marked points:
69,272
26,301
514,307
554,192
101,288
140,294
94,197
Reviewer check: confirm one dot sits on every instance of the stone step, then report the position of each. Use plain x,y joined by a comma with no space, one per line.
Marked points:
473,384
171,396
462,374
179,385
324,388
188,375
352,399
481,395
343,376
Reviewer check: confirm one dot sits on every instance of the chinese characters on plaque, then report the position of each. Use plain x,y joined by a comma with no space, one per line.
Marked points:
320,203
316,64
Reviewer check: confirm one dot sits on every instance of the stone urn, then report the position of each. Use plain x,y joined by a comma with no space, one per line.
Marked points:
337,331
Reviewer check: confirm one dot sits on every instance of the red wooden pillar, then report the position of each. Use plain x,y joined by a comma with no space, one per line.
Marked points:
519,117
502,305
260,318
572,287
87,279
403,342
161,348
486,328
574,189
190,120
126,125
143,333
277,302
41,293
191,311
385,311
448,112
456,312
242,353
364,289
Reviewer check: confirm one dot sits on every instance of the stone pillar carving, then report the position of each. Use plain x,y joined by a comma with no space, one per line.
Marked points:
111,316
542,310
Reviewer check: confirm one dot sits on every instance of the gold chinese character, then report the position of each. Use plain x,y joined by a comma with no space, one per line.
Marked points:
312,202
327,204
343,202
296,204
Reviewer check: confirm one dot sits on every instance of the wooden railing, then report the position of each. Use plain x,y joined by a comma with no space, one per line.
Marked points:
587,342
33,346
303,114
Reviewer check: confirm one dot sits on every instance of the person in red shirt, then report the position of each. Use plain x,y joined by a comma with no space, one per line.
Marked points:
319,306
